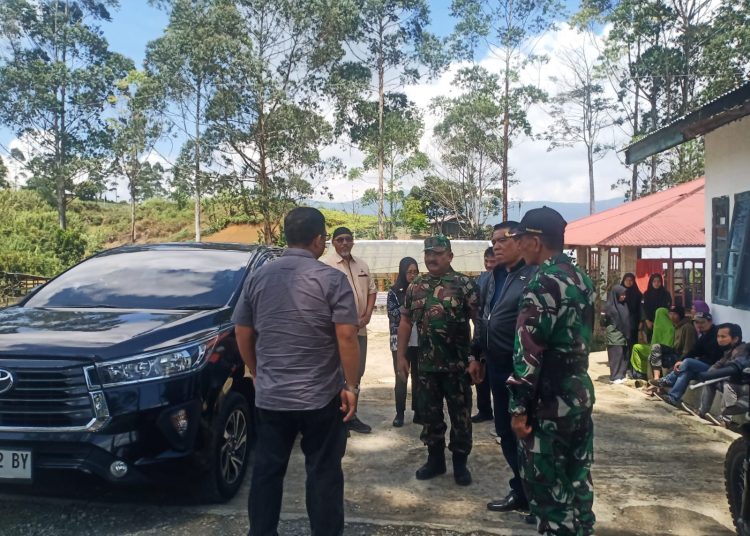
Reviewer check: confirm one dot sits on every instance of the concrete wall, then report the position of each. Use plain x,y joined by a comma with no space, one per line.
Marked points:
727,173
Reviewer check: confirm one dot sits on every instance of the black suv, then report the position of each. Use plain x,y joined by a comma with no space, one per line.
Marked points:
127,363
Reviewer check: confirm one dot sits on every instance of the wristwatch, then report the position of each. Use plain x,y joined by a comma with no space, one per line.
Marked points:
354,390
518,410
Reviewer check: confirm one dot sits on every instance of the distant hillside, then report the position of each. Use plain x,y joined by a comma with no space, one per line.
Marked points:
569,211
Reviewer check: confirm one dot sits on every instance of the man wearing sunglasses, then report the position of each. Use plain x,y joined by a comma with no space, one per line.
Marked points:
365,292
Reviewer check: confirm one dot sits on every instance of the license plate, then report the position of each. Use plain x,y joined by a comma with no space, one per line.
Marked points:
15,464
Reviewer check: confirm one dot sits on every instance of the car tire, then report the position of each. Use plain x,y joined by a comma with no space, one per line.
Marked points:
229,451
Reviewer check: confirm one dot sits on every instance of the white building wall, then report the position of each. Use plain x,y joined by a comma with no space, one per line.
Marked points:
727,173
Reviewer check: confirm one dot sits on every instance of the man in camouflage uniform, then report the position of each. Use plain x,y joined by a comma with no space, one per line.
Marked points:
440,304
552,396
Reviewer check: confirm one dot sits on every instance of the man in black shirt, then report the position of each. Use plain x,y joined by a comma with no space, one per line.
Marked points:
500,317
704,353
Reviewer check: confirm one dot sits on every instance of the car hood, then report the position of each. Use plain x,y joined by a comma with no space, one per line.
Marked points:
96,333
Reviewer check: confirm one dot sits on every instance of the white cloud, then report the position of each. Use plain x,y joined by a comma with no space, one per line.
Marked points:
560,175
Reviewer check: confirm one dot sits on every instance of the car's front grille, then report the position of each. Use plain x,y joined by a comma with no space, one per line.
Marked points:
51,396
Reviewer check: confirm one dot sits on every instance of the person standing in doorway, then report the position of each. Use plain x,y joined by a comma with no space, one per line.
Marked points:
408,270
365,293
441,304
655,297
615,318
484,392
634,301
296,327
551,393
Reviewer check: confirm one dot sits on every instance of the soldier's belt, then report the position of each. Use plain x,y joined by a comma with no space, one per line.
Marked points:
555,363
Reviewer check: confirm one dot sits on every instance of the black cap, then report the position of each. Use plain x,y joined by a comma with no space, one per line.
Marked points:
541,221
342,231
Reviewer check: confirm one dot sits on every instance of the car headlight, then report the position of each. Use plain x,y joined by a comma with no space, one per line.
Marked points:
157,365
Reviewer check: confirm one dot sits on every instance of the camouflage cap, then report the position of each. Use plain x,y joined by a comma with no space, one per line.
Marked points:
437,241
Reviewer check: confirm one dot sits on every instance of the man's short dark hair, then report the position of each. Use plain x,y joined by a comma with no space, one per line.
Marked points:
489,252
679,310
508,224
735,331
302,225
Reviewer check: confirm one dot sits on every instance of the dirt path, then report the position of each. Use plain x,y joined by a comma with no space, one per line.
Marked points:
657,472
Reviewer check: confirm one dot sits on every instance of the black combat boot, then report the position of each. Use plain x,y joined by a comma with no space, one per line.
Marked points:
435,464
461,474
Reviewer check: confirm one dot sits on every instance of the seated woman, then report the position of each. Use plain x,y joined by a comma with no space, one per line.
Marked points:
663,336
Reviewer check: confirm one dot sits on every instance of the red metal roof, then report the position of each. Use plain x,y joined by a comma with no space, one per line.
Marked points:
672,218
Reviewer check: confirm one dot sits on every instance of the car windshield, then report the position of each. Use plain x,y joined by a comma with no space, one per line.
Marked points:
151,279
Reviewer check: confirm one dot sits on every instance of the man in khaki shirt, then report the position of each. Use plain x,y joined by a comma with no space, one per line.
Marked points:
363,285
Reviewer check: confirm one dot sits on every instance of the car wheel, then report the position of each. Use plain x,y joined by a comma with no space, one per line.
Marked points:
230,449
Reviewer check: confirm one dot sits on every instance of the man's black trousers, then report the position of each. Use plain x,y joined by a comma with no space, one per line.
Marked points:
323,443
498,371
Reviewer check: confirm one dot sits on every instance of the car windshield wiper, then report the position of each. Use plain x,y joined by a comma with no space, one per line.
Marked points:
203,307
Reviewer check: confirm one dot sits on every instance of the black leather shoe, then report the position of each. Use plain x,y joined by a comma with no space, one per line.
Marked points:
398,422
508,504
355,425
482,417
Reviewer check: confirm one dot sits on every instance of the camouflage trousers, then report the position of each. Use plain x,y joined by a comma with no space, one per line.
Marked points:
455,389
555,465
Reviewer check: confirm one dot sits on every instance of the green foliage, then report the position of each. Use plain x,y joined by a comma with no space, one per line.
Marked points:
509,29
469,136
392,46
56,86
3,175
31,240
402,130
665,59
413,216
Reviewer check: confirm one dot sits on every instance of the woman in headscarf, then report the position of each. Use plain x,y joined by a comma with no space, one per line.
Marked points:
634,300
663,336
616,319
408,269
655,296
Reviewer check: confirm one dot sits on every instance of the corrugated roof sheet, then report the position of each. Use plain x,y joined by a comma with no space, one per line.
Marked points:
672,218
383,256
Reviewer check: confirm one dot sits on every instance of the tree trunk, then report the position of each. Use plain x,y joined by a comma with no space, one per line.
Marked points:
636,120
506,136
60,142
592,198
381,150
132,218
197,167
